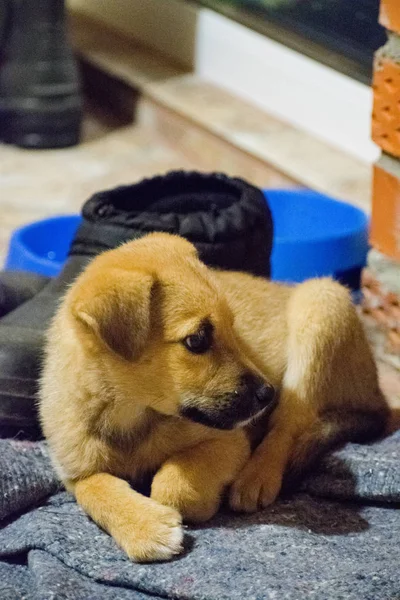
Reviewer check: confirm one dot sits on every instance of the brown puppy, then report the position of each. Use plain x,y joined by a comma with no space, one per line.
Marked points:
156,364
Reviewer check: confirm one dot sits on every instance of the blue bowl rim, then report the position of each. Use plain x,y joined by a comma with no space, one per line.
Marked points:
360,228
36,258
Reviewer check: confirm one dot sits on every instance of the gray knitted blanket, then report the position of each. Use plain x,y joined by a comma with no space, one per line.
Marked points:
338,537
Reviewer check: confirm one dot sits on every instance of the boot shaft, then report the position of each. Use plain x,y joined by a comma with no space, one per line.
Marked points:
40,101
36,59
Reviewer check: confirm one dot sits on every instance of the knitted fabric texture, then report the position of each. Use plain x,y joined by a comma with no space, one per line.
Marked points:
337,537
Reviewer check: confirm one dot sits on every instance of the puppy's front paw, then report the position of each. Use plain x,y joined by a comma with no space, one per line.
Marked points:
155,535
171,488
255,488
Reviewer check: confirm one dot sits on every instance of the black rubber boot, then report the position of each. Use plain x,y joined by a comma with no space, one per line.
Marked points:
16,287
40,101
227,220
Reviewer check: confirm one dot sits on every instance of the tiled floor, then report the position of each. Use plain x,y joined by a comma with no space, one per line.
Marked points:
36,184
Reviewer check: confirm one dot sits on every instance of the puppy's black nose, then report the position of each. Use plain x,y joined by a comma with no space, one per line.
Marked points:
264,394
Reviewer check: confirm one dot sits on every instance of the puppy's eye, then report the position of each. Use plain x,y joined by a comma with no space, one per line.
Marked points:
199,342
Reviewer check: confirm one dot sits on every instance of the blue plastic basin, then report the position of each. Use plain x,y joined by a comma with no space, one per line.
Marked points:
314,236
42,246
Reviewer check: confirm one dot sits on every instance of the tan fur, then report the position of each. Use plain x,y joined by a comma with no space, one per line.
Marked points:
116,374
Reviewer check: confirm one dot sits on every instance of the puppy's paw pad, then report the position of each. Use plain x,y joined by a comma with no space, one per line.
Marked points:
251,492
168,545
159,537
243,500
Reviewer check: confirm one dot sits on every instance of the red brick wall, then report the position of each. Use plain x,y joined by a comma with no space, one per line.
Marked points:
385,232
390,15
381,287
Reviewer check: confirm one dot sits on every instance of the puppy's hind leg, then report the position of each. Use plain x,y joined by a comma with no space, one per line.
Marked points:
330,393
332,429
341,381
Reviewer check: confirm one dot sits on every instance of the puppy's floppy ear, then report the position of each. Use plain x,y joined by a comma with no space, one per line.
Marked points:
116,308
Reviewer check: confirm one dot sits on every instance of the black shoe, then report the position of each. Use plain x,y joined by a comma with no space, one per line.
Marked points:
40,101
227,220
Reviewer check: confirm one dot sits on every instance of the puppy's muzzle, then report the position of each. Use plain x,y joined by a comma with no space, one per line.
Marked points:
252,399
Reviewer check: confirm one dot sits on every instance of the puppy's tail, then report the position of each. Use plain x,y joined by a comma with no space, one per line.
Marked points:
333,429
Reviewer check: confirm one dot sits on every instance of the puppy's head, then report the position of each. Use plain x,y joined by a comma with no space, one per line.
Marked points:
156,320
